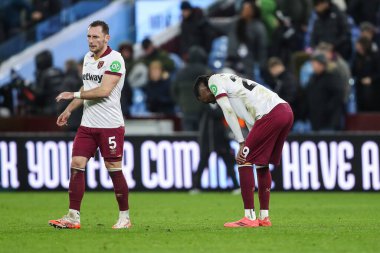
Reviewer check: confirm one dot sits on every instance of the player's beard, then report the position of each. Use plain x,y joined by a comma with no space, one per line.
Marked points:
97,49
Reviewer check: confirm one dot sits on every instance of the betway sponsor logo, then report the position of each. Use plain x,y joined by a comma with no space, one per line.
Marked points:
95,78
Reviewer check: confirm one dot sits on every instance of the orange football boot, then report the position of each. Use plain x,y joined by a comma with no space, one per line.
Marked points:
265,222
65,222
245,222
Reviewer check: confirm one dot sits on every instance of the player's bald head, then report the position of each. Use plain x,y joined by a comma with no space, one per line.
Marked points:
102,24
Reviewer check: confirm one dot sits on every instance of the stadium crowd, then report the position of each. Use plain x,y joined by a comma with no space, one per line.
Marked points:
321,56
22,15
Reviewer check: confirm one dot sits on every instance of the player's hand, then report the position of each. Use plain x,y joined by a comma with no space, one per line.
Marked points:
65,96
240,158
62,119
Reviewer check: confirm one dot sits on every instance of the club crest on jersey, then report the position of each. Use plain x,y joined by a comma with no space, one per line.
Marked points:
100,64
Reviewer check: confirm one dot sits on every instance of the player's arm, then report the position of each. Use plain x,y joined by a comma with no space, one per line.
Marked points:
233,122
65,115
231,118
104,90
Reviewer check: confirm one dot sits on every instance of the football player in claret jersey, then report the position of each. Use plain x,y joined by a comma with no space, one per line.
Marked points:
269,120
102,124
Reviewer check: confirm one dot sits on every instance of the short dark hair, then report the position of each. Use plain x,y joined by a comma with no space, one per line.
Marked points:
274,61
317,2
126,46
146,43
203,79
105,28
185,5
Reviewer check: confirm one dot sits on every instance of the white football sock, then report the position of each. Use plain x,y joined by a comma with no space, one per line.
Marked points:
124,214
250,214
264,214
75,214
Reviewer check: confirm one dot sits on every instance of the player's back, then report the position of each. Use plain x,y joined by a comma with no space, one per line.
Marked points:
103,112
250,100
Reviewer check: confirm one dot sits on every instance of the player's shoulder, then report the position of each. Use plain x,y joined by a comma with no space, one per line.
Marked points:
115,55
219,79
88,55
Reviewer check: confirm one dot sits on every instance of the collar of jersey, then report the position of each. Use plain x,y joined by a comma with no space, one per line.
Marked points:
107,52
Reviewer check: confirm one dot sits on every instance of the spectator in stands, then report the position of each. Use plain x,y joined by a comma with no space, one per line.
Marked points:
336,62
157,90
282,81
369,31
331,26
127,52
361,11
43,9
16,98
14,15
247,41
196,30
298,12
152,53
293,14
72,80
366,71
325,94
182,87
286,39
268,15
48,83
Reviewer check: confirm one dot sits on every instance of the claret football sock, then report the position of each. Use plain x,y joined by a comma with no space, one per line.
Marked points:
76,188
247,185
264,179
121,189
250,214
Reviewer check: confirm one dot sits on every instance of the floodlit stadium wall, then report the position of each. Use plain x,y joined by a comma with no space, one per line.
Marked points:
309,163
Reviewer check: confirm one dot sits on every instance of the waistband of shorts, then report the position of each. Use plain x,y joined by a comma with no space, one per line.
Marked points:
102,127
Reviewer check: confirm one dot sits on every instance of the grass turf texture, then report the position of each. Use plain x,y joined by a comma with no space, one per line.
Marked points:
179,222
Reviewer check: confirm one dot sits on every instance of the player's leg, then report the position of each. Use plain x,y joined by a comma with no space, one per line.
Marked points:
84,147
264,180
258,149
282,122
111,142
247,184
121,193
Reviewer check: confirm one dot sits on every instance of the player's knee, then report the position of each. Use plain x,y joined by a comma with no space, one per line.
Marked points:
78,162
112,164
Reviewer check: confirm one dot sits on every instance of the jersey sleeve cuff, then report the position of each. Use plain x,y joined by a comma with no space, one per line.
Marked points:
221,95
112,73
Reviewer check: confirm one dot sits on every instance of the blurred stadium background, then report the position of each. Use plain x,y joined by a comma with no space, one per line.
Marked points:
334,145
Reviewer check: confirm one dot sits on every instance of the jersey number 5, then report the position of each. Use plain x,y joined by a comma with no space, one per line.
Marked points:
112,142
248,86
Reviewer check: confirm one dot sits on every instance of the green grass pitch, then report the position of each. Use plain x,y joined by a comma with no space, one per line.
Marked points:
179,222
